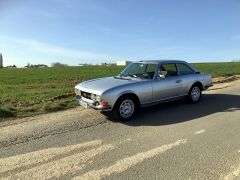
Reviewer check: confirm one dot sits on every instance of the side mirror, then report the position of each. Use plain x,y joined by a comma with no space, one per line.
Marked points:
161,74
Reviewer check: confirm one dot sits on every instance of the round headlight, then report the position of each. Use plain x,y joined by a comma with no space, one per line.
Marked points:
98,98
93,97
77,91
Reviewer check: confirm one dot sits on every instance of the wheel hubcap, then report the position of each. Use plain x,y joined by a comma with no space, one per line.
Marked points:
195,94
126,108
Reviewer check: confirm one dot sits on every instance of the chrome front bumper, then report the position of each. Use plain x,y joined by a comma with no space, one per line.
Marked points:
92,104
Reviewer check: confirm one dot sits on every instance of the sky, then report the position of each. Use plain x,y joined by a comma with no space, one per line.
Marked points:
94,31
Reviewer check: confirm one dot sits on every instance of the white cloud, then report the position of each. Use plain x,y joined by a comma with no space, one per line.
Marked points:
52,50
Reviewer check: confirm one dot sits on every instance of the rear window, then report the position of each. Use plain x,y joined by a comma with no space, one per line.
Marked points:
184,69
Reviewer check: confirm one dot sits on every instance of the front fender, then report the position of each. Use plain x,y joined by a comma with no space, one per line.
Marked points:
126,92
111,96
143,90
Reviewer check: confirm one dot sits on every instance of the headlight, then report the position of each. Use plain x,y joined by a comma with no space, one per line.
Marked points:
77,91
98,98
93,97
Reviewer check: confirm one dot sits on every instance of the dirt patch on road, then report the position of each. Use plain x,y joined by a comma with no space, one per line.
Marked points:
223,79
49,124
222,85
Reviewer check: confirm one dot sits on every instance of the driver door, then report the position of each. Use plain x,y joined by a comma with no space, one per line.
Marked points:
168,87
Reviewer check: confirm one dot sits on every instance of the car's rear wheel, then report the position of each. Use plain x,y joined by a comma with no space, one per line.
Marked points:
195,93
125,108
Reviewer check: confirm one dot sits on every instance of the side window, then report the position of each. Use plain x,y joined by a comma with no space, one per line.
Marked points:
151,68
184,69
171,70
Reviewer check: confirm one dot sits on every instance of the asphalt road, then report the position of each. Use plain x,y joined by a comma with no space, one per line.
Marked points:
174,140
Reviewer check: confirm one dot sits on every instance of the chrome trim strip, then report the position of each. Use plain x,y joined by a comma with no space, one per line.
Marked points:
162,100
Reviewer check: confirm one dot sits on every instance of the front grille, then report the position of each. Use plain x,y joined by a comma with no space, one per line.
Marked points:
86,95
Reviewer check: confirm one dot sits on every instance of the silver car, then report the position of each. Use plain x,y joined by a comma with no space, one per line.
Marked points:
142,84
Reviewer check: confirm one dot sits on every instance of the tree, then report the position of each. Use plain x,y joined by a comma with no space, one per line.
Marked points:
58,64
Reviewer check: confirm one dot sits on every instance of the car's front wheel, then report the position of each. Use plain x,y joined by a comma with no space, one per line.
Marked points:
195,94
125,109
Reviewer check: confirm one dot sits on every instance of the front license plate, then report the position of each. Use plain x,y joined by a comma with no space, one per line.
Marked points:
82,103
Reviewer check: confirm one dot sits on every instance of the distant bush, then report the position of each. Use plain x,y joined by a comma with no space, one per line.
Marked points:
58,64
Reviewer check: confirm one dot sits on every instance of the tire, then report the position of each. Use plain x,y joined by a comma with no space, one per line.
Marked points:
125,108
195,94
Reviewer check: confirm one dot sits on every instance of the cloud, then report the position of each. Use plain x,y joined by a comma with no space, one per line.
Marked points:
52,50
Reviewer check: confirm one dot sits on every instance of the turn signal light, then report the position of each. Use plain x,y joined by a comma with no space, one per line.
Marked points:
103,103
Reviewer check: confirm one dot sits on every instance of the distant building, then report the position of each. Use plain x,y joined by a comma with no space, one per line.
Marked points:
123,63
41,66
13,66
85,64
1,61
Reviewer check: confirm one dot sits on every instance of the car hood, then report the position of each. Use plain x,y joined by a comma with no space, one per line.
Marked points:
100,85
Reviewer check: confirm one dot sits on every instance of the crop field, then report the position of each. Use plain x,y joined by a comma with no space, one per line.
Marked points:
26,92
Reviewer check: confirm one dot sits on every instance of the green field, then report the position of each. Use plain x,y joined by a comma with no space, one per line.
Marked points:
26,92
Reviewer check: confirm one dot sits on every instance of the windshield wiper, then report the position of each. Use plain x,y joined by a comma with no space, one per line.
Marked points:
118,77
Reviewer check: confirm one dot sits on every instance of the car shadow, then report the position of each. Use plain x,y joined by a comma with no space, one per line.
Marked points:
181,111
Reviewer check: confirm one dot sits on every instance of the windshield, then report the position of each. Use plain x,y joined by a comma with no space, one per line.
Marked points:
139,70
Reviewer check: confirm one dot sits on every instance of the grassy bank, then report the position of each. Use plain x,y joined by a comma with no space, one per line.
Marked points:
25,92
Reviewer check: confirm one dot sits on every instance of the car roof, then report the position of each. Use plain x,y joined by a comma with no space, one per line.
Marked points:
161,61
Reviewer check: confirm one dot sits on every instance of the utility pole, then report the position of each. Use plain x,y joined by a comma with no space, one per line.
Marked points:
1,61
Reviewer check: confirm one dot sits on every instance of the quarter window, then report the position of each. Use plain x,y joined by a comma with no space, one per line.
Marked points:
184,69
171,70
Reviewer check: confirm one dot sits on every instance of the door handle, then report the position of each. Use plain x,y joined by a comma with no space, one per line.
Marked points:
178,81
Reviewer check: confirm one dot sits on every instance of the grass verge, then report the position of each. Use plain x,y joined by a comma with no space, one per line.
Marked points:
26,92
